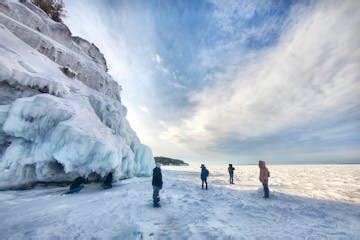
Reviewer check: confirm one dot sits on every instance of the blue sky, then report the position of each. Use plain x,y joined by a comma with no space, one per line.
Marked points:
236,81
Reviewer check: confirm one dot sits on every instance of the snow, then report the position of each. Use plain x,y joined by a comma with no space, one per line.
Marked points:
55,128
303,205
57,45
52,127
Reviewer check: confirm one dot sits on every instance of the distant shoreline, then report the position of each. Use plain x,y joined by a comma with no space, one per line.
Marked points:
166,161
272,164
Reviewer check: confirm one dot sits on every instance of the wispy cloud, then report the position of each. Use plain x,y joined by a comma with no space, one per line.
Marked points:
222,78
157,58
144,109
310,77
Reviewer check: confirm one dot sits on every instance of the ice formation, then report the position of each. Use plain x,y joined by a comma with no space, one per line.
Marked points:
56,126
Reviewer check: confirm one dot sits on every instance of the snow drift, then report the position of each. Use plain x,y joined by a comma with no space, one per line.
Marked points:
61,114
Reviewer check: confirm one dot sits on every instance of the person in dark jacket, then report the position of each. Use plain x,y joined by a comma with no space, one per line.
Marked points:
76,185
231,173
157,185
108,181
204,175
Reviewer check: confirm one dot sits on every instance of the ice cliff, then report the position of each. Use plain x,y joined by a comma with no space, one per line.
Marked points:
61,114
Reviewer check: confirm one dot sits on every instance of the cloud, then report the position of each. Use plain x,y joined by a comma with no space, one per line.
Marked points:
250,77
144,109
310,76
177,85
157,58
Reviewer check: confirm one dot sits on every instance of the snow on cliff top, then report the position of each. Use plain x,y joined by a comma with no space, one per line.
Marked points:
60,112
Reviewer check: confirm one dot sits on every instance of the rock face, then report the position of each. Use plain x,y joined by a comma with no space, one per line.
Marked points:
61,114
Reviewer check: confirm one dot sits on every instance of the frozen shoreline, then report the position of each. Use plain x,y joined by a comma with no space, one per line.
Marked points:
222,212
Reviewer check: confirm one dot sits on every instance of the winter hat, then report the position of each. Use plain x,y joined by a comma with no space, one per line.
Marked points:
261,163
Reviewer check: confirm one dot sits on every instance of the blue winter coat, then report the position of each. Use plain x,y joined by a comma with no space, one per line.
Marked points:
204,173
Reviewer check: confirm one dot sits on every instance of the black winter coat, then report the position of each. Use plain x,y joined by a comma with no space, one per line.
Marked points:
157,177
77,182
108,179
231,170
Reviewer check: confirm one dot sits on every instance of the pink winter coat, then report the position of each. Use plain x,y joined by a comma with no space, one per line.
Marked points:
264,175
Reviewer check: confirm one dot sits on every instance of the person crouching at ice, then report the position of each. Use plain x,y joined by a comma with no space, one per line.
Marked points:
76,185
204,175
264,177
231,173
157,185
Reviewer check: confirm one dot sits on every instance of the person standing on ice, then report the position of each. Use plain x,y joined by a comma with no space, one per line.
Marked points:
264,177
157,184
231,173
204,175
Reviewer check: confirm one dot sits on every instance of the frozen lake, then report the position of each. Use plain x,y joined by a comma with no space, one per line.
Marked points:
307,202
327,182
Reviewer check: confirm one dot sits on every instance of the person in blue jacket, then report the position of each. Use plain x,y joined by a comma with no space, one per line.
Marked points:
204,175
76,185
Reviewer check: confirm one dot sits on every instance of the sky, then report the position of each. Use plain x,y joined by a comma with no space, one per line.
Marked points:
234,81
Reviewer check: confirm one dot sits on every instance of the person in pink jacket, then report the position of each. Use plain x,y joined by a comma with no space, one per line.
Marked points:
264,178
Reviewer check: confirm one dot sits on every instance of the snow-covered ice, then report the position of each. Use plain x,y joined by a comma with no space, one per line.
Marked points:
56,126
307,202
53,126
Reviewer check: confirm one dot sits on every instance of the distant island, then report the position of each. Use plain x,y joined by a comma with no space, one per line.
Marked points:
170,161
